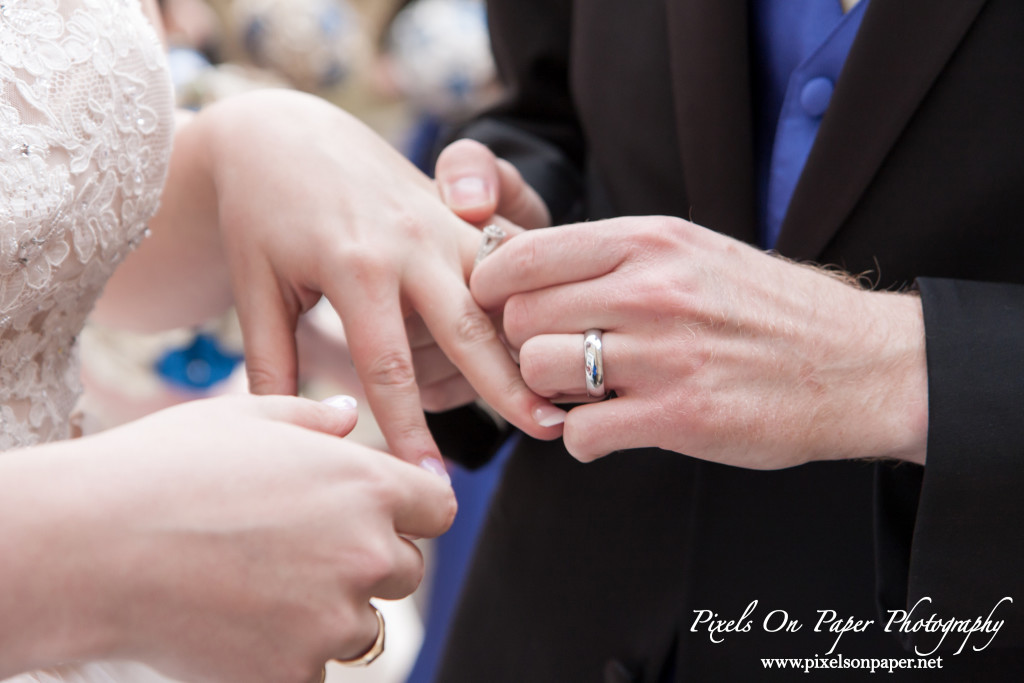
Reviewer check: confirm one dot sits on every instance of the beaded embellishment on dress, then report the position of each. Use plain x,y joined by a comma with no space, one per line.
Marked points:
86,120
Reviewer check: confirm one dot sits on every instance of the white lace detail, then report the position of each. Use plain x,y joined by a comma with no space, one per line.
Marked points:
86,119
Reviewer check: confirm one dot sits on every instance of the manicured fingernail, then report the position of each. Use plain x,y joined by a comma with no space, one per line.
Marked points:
435,466
548,416
468,192
341,402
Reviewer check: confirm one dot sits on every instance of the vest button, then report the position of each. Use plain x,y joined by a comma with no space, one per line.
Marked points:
815,96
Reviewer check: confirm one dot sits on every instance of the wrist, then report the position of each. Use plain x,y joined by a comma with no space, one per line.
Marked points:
887,408
909,394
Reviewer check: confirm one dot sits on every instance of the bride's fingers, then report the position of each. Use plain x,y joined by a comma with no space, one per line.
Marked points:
453,392
405,571
383,359
360,627
467,336
268,331
432,365
336,415
416,330
442,386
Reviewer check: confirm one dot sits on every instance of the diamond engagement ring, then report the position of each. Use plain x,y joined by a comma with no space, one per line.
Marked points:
492,237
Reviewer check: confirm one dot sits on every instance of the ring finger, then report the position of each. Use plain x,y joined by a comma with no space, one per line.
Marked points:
553,365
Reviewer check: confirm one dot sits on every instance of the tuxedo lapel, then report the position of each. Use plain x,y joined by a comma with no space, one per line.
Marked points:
708,42
900,49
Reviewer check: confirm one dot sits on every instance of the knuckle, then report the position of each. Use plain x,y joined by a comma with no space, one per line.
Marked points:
512,392
411,573
698,356
474,327
393,368
414,437
670,227
365,263
412,226
696,414
522,253
376,563
263,379
654,296
368,257
658,233
381,489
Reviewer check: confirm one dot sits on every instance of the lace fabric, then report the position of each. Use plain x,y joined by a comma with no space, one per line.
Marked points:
86,119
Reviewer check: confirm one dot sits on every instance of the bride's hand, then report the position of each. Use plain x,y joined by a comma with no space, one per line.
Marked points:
310,202
234,539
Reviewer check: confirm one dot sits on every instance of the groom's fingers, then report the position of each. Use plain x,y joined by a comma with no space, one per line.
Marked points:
467,178
476,185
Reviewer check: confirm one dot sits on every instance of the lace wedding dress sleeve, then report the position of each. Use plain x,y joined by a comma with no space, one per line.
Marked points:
86,119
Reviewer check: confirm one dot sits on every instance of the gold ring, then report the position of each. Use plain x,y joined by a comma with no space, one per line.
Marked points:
376,650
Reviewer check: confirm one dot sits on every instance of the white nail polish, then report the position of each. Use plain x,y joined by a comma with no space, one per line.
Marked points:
435,466
341,402
549,416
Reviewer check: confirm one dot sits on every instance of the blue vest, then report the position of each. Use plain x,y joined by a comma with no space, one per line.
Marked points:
798,49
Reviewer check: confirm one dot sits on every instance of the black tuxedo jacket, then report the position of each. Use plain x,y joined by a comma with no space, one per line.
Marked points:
598,572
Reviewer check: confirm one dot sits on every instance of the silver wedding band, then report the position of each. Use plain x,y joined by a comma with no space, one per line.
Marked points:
593,361
492,237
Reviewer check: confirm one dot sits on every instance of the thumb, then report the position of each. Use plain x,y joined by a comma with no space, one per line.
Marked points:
518,201
467,178
594,430
336,415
